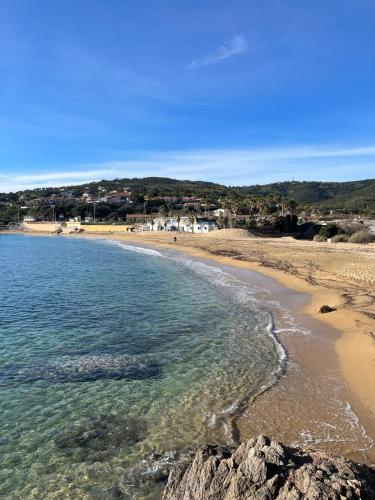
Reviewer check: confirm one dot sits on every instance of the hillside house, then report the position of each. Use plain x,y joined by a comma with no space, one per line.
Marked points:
221,212
120,198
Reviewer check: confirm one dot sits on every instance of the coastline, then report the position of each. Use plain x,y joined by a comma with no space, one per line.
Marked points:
354,345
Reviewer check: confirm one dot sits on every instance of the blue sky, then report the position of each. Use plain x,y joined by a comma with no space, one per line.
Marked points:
237,92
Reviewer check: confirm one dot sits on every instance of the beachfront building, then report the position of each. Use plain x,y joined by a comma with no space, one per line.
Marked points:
164,224
203,225
182,224
29,218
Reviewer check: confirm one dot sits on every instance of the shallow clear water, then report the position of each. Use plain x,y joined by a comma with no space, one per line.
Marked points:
112,359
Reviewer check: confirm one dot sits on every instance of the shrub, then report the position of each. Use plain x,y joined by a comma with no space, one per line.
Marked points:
360,237
319,237
340,238
329,230
350,228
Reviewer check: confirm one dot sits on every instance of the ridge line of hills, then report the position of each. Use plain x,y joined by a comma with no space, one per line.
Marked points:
350,197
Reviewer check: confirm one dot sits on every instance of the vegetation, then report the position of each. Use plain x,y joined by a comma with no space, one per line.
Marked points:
348,197
329,231
270,204
342,233
340,238
361,237
319,238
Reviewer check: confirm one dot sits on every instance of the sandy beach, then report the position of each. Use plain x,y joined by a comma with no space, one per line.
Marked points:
339,275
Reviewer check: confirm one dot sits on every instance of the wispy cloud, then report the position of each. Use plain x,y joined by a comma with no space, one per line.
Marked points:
236,45
228,166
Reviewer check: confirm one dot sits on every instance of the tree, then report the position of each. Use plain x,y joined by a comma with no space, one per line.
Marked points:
192,220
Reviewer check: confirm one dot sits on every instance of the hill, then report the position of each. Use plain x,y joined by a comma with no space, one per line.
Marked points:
354,196
152,194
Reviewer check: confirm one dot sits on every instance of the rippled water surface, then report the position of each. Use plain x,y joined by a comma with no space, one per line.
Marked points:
115,361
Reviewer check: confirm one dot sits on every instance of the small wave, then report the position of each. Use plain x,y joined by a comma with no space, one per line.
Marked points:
281,351
293,329
230,409
339,433
355,423
143,250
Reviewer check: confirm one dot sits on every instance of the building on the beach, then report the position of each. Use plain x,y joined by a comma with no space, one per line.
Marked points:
165,224
204,225
29,218
182,224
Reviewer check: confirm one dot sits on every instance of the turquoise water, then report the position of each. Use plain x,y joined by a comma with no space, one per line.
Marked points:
115,360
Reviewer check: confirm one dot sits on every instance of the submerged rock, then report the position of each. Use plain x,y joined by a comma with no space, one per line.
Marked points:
148,477
264,469
83,369
103,435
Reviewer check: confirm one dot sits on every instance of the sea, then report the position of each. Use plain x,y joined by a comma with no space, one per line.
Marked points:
117,361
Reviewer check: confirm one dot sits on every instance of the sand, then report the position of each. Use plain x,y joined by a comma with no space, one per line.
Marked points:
228,234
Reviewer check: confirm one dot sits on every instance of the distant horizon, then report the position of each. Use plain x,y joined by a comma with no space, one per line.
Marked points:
59,186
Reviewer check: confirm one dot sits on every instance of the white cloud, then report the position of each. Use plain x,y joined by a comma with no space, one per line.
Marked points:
227,166
236,45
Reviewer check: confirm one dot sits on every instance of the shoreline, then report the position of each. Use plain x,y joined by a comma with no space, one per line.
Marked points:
354,345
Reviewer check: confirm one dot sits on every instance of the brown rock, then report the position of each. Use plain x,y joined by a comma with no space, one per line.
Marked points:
262,469
326,309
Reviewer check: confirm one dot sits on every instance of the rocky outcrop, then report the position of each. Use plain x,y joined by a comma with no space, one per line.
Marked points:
264,469
326,309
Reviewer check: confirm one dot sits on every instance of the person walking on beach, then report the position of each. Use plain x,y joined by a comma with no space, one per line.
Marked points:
174,240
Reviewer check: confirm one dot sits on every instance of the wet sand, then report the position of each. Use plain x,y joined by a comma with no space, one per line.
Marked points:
312,405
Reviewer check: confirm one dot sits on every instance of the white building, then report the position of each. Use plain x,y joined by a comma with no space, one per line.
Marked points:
29,218
222,212
203,225
182,224
164,224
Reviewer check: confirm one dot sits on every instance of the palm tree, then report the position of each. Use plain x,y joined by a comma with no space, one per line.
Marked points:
220,221
192,219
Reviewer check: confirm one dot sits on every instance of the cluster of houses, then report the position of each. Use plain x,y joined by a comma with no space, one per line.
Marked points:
114,197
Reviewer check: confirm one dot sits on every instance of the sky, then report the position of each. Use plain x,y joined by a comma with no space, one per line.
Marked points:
237,92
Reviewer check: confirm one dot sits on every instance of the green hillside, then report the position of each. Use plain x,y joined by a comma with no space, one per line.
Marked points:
355,196
150,194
